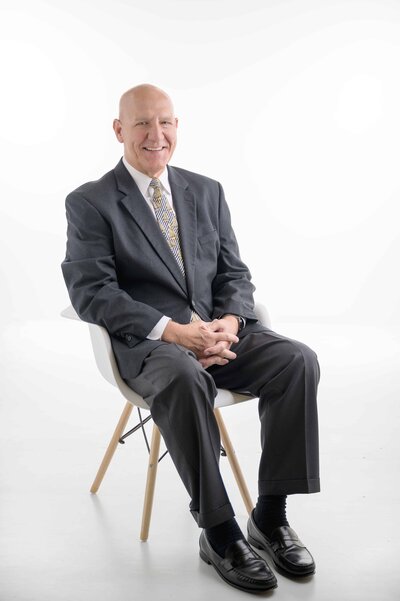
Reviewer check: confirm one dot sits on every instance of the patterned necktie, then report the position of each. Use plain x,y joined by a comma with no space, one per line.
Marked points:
169,226
167,222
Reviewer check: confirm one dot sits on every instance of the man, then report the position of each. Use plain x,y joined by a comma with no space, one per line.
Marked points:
152,257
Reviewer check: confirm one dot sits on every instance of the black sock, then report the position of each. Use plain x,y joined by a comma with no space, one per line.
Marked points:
270,513
222,535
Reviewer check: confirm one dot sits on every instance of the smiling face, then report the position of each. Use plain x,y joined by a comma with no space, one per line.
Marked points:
147,128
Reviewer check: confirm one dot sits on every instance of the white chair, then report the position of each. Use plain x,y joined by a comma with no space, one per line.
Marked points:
107,365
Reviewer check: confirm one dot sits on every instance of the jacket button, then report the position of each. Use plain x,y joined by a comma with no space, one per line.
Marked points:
129,337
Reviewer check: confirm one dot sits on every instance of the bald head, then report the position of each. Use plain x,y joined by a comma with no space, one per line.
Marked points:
144,93
147,128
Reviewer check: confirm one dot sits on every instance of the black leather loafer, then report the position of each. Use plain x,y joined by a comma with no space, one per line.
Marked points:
284,547
241,567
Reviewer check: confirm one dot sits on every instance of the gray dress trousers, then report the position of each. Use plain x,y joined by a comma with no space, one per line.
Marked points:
284,375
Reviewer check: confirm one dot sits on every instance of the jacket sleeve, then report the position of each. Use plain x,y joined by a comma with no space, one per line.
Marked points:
90,275
232,286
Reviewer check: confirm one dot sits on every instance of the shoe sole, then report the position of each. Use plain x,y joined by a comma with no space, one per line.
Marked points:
271,554
241,588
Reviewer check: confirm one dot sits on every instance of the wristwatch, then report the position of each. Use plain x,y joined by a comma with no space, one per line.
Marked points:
241,320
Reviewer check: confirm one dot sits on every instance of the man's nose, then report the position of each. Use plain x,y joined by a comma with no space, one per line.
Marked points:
155,132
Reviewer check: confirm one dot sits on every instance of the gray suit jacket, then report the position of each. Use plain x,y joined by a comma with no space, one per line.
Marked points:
121,274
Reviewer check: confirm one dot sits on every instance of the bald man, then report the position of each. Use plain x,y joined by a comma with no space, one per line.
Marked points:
152,256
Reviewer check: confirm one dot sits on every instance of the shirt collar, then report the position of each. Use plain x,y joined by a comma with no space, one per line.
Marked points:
143,181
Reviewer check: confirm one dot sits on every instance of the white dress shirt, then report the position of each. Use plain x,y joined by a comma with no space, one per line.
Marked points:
143,183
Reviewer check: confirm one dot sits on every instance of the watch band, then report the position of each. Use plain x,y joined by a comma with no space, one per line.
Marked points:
242,322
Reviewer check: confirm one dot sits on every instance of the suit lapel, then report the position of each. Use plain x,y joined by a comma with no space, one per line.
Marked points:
138,208
185,209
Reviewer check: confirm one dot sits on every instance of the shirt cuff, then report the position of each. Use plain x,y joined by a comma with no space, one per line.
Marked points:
158,329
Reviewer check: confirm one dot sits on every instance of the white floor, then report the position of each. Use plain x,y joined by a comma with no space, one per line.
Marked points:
59,542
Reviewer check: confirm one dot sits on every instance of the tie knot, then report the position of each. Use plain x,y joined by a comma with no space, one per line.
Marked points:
155,183
157,193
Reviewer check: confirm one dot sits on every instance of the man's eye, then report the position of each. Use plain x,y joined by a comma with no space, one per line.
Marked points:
141,123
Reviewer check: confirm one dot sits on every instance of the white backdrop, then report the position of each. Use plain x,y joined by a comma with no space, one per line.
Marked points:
292,105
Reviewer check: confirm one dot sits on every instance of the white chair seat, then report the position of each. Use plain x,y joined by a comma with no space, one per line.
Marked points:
108,367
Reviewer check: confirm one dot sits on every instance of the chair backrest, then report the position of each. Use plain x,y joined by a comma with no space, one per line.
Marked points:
101,343
107,365
263,315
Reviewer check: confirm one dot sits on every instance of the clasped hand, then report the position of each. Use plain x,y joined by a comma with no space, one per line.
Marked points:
209,341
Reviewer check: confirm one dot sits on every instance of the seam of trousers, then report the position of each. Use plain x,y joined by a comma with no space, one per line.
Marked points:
209,407
305,412
297,347
177,438
223,512
269,391
192,468
226,509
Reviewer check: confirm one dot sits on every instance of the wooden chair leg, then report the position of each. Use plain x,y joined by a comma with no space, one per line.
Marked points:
230,453
150,484
119,430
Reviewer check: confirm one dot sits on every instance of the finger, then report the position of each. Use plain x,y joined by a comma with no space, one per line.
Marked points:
227,354
226,336
224,355
213,360
210,339
216,349
222,352
215,325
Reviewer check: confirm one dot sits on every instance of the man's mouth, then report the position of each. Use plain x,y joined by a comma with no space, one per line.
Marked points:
156,149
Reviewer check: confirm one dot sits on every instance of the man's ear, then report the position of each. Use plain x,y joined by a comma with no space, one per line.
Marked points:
117,127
